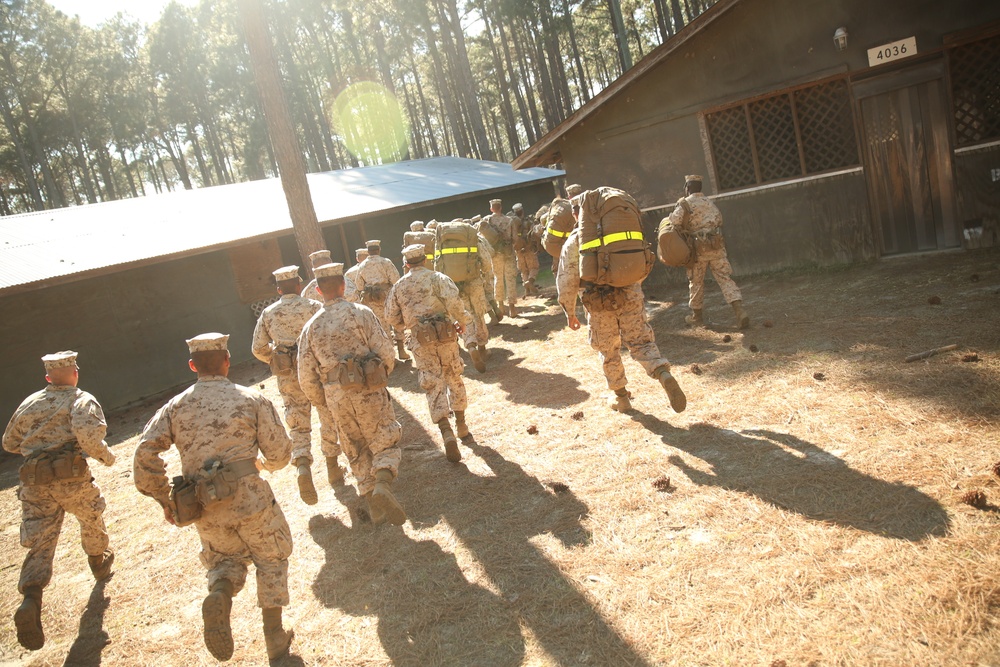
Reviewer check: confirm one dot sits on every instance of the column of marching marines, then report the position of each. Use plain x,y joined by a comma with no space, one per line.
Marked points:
330,346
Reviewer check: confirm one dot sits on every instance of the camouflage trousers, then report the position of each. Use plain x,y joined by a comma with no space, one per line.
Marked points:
527,262
298,418
718,261
42,510
609,328
505,278
474,297
378,307
369,430
230,541
440,373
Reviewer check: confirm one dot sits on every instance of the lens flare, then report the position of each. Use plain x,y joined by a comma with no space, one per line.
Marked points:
372,123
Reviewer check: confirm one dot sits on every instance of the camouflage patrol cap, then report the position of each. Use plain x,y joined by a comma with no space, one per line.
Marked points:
207,342
496,202
573,190
360,252
373,243
416,226
693,178
432,225
414,252
62,359
518,207
286,273
319,258
332,270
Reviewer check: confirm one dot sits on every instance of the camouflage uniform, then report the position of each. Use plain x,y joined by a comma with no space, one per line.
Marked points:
527,258
609,328
504,262
475,298
424,293
376,270
47,420
279,326
311,291
705,220
351,285
366,418
216,420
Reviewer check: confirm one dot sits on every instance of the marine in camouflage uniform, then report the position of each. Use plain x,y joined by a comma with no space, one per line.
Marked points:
60,421
351,275
419,295
216,424
615,315
275,342
527,256
376,276
504,261
699,217
477,305
318,258
368,426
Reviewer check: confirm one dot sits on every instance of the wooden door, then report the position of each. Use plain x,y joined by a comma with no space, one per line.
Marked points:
908,167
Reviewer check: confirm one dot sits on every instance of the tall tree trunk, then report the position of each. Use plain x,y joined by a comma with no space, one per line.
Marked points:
526,119
675,8
30,182
127,168
581,77
513,140
450,109
468,82
529,83
431,135
206,175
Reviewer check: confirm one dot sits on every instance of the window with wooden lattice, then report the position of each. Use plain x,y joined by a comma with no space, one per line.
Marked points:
975,87
787,135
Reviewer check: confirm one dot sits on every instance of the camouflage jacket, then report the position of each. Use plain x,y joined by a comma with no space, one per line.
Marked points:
506,230
423,293
351,284
56,416
339,331
375,270
213,420
281,323
705,216
311,291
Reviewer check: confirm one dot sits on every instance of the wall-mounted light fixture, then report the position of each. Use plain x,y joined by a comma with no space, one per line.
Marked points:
840,38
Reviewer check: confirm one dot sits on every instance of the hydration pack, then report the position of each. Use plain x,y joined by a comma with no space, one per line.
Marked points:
613,250
457,251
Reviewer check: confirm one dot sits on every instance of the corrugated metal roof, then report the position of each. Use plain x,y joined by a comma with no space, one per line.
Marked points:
58,245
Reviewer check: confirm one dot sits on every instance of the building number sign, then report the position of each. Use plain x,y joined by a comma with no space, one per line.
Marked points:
886,53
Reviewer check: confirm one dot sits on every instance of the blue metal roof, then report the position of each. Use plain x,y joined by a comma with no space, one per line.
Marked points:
37,249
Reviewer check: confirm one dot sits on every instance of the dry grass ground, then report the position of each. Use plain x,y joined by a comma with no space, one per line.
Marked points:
810,519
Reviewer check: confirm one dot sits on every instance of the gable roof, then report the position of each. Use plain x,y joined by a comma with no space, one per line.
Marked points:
546,150
61,245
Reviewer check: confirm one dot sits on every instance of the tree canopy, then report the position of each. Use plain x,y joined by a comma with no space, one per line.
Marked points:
124,109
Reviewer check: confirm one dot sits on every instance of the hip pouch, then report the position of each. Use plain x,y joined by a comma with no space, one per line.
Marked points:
709,241
66,464
433,330
375,293
360,374
283,360
184,502
601,298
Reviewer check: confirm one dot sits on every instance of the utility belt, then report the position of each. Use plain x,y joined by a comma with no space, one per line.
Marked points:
65,464
283,359
707,240
191,496
359,374
434,330
601,298
375,293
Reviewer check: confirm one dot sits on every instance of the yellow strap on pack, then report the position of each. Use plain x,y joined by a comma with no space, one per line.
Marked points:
556,232
612,238
430,256
456,251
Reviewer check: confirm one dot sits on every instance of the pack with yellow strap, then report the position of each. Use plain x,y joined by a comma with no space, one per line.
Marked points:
191,496
425,238
613,250
457,251
559,222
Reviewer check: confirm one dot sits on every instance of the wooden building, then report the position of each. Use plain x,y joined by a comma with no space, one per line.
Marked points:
828,131
125,283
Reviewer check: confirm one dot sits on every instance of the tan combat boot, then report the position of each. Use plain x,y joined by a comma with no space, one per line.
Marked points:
450,443
383,504
512,309
741,316
215,614
694,319
101,565
478,357
276,638
334,473
28,619
621,401
307,491
678,401
375,514
461,429
401,351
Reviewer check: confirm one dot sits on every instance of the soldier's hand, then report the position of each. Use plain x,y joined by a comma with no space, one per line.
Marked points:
574,322
460,328
110,460
169,515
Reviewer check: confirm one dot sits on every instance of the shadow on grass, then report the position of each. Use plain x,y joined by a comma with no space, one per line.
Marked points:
800,477
426,610
91,638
